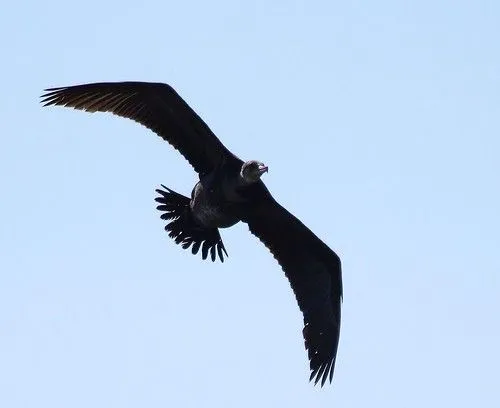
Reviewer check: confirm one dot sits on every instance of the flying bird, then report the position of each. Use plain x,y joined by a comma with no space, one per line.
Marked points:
229,190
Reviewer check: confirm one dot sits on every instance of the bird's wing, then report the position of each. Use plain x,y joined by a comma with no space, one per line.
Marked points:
314,272
155,105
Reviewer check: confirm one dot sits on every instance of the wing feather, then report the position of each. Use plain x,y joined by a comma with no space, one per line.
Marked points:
314,273
155,105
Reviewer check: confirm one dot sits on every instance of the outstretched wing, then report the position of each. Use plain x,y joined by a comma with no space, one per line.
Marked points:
155,105
314,272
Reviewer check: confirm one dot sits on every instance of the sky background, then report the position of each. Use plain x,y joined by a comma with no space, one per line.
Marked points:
380,124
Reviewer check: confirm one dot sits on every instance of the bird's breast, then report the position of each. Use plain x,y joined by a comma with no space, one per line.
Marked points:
210,208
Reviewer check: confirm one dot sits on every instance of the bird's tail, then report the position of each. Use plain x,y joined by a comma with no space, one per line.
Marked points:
184,229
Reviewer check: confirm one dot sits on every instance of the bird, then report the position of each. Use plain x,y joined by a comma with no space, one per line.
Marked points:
229,191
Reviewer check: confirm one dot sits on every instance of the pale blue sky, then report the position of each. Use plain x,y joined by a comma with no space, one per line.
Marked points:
380,124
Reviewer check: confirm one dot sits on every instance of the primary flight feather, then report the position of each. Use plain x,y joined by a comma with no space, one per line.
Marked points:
229,190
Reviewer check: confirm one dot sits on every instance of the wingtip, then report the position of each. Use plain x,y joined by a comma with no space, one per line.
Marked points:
322,374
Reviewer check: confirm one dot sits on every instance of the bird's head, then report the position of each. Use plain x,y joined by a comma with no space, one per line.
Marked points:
252,170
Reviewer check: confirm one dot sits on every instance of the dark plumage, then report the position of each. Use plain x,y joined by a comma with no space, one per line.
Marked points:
229,190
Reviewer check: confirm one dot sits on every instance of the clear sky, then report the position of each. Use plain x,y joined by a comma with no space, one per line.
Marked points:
380,124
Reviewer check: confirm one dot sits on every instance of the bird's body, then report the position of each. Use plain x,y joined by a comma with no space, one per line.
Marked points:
213,195
229,190
209,209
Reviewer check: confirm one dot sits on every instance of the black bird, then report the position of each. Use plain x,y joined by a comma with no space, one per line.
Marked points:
229,190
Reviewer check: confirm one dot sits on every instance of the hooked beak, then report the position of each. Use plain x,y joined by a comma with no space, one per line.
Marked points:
263,169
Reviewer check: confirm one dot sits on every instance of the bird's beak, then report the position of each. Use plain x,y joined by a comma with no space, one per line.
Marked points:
263,169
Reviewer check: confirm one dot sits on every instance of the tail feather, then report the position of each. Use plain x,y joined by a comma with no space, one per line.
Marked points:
184,229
